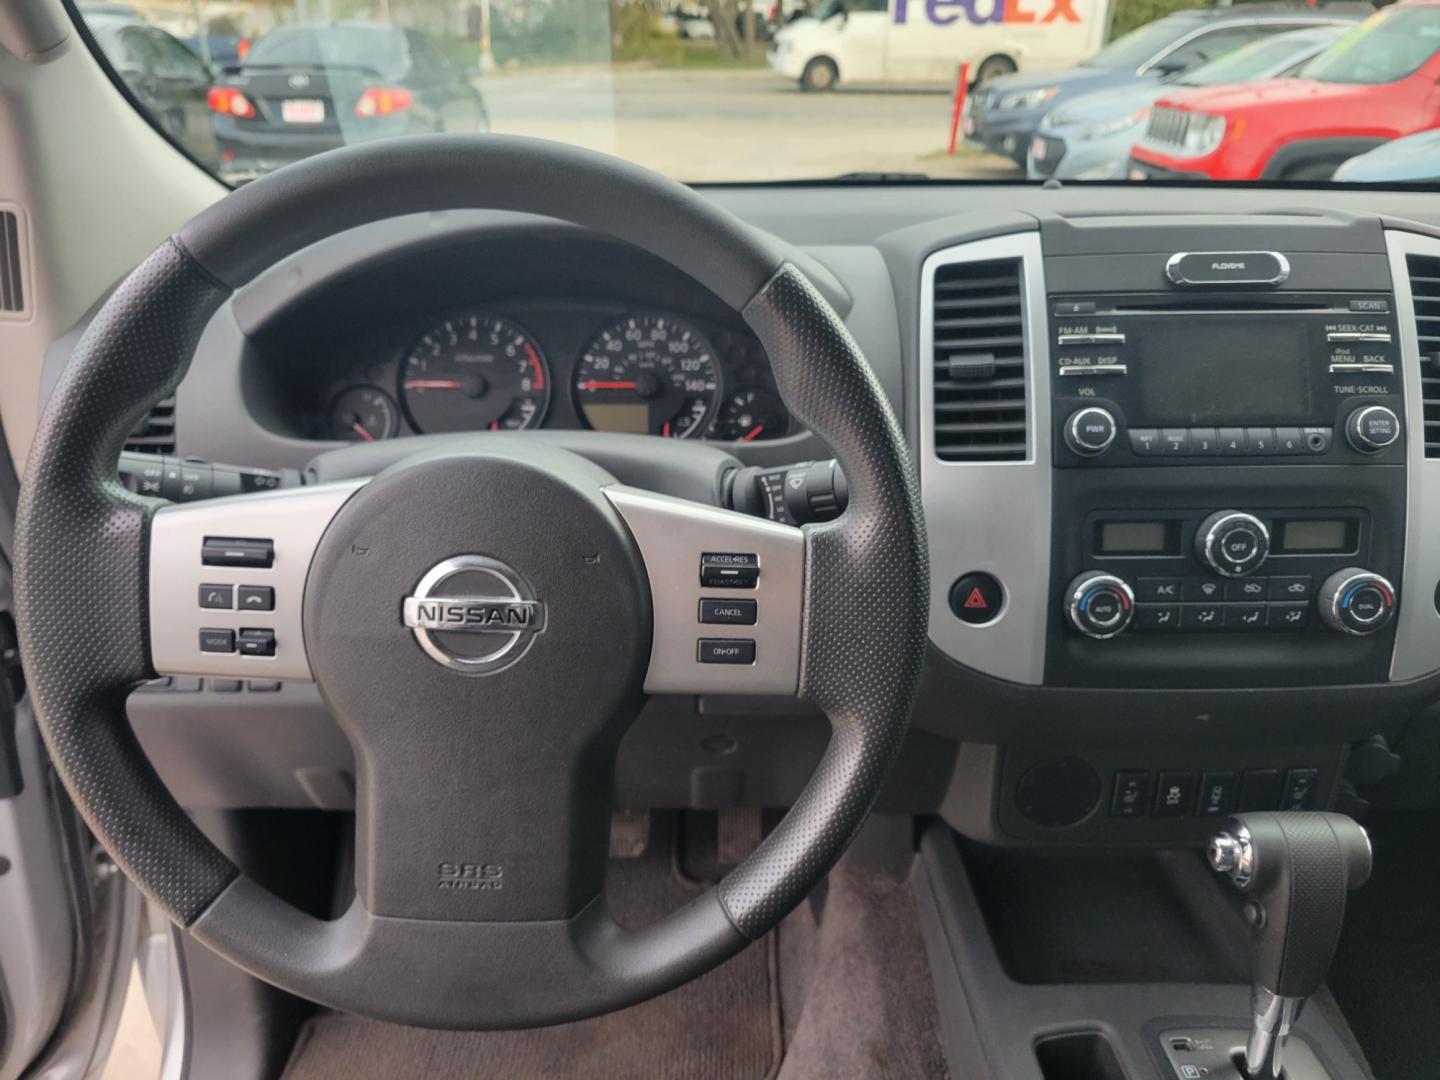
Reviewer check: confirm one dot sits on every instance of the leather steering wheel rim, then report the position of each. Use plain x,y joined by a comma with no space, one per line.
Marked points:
83,570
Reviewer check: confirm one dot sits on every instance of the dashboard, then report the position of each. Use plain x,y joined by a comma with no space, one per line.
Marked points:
1179,524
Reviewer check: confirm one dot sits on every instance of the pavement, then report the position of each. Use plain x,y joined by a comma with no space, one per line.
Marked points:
736,124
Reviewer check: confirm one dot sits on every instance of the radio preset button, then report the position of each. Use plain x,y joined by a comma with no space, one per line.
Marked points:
1372,428
1232,440
1289,440
1144,442
1174,442
1259,440
1090,431
1204,442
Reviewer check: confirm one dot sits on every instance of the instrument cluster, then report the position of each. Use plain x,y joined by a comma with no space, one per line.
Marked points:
531,365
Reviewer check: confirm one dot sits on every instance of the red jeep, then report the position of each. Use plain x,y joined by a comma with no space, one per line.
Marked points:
1372,85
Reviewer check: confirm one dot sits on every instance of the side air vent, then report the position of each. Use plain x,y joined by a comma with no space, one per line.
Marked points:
979,361
156,433
1425,290
12,283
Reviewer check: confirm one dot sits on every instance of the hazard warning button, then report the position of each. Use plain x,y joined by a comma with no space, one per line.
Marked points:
976,598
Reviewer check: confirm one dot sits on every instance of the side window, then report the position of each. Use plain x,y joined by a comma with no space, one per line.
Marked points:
1215,44
176,60
139,51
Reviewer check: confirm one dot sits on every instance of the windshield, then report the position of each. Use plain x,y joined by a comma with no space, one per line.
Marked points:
1249,62
1389,46
755,91
1133,49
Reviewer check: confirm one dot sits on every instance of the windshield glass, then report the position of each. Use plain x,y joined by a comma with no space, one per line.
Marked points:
1390,45
1245,63
753,91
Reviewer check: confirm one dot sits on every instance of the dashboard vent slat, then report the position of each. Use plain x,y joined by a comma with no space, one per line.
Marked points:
155,434
979,328
1425,294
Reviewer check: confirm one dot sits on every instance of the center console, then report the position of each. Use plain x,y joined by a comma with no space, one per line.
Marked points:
1229,478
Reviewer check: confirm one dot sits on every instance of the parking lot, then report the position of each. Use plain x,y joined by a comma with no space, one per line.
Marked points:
762,126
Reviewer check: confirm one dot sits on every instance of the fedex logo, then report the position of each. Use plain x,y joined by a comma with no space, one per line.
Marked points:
979,12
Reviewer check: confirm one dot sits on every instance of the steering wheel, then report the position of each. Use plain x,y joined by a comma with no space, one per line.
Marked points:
484,619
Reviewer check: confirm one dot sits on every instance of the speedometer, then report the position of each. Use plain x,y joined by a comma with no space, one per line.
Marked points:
475,372
648,374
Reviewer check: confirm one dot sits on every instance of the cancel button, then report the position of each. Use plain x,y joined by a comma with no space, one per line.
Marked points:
726,651
733,612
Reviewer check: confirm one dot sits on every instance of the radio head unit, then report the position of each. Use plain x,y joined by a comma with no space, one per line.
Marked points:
1143,378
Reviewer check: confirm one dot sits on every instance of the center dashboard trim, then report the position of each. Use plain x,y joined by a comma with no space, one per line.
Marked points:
991,516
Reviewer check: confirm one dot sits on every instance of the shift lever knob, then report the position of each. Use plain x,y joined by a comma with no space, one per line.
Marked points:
1295,870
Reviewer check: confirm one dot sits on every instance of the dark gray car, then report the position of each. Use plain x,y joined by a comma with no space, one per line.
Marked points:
1003,115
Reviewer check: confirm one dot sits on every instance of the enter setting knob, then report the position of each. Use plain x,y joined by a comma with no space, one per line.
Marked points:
1356,601
1372,428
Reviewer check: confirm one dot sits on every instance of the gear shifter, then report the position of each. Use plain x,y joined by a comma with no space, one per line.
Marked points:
1295,870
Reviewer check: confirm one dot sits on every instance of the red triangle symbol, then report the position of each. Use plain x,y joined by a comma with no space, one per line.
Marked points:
976,599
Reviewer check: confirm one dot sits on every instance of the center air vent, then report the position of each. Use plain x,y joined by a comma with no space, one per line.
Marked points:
979,362
156,433
1425,291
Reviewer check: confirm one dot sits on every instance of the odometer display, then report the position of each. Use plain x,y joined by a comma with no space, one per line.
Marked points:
475,372
648,374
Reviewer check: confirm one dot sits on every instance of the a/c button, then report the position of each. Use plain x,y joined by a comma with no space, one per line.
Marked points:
733,612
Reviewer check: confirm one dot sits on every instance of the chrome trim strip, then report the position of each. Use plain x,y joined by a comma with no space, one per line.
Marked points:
1417,624
992,516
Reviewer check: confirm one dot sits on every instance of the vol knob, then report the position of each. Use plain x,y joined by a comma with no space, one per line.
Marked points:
1099,605
1356,601
1232,543
1090,430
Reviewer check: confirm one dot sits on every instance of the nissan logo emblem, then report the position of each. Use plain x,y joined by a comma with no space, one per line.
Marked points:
473,614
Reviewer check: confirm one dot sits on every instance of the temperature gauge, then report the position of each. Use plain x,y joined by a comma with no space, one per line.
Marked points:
364,414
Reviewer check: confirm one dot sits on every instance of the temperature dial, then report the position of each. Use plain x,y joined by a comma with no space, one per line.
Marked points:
1356,601
1232,543
1099,605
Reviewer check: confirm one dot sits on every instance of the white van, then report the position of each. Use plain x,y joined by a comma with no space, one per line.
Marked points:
920,42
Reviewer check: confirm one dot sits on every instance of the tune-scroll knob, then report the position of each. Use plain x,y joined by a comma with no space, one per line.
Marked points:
1099,605
1090,430
1232,543
1372,428
1356,601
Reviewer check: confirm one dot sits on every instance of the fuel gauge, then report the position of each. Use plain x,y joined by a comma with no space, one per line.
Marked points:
364,414
752,413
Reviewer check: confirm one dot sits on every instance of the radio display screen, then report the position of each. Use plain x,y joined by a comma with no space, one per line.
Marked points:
1224,370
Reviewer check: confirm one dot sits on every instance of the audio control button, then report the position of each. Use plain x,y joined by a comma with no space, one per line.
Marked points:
1372,428
1289,440
1090,431
1174,442
1259,440
1232,440
1204,442
1144,442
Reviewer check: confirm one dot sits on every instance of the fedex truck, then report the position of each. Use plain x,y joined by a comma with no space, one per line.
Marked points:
919,42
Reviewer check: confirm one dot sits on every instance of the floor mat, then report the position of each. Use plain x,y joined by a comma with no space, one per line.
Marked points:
724,1024
1386,975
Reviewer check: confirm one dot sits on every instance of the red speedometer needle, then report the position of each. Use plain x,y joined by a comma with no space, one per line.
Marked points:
598,384
433,384
753,433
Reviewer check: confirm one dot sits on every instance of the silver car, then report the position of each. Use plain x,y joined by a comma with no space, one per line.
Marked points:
1090,138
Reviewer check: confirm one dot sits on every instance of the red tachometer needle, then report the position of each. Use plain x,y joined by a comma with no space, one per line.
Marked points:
433,384
753,433
597,384
359,429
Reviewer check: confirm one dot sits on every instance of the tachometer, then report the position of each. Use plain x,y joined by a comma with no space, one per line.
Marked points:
475,372
364,414
648,374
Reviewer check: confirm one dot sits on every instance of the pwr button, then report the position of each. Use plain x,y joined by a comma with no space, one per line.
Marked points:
977,598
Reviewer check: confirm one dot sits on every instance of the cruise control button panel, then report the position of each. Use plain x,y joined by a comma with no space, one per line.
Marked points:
729,570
